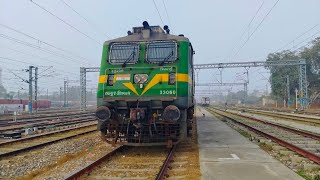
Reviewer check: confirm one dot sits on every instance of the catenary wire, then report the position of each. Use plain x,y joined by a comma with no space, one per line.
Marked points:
300,35
257,27
85,19
165,8
65,22
39,48
43,42
247,28
155,5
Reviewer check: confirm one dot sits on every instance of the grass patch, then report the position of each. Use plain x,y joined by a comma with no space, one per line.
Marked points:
303,174
265,147
316,177
244,133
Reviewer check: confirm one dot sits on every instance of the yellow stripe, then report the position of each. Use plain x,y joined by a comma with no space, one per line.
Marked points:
182,77
130,86
103,78
155,80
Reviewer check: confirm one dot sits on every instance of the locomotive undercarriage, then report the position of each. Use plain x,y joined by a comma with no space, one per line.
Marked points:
143,127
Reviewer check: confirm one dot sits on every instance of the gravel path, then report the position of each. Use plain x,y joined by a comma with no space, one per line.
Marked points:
46,157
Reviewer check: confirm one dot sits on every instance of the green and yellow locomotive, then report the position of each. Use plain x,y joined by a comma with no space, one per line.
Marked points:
146,88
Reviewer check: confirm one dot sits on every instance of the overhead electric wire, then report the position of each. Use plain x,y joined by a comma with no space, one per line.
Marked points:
28,63
165,7
39,48
14,60
43,42
245,30
257,27
65,22
85,19
308,38
300,35
32,55
155,5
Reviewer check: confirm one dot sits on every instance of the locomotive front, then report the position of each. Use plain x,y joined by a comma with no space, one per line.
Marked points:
145,91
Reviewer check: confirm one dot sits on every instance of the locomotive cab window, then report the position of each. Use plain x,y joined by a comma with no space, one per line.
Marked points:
124,53
161,52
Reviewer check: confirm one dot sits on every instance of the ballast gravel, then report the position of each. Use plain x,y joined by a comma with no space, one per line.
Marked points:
30,162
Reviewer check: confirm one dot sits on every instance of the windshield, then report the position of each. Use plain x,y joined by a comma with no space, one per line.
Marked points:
161,52
127,53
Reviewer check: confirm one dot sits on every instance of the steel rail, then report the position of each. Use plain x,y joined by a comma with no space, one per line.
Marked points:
163,171
87,169
14,152
290,146
303,133
287,116
45,134
39,119
41,125
42,116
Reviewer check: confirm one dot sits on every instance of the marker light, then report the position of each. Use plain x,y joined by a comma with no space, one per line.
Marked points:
172,78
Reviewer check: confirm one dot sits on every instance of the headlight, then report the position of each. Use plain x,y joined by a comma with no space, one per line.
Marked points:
140,78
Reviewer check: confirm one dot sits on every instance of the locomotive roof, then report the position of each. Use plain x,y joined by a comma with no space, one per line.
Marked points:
156,33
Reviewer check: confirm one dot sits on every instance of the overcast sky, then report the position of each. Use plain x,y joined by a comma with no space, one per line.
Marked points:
217,28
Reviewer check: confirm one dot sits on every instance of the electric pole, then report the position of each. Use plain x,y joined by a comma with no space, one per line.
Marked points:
65,93
30,89
288,91
60,96
36,87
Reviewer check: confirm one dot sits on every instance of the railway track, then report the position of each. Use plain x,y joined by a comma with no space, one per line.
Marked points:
305,119
304,143
128,163
24,120
179,162
45,124
314,121
14,147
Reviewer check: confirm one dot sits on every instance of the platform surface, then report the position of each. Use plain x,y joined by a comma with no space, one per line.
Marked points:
225,154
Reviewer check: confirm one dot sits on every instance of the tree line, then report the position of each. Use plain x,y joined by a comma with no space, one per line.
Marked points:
279,73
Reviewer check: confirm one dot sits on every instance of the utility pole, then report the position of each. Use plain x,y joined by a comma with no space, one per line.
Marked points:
65,93
36,87
245,93
288,91
47,94
296,91
30,89
220,69
60,95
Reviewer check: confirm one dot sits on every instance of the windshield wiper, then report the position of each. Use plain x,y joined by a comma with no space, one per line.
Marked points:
166,59
131,57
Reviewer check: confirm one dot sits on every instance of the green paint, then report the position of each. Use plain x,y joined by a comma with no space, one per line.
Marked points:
162,89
